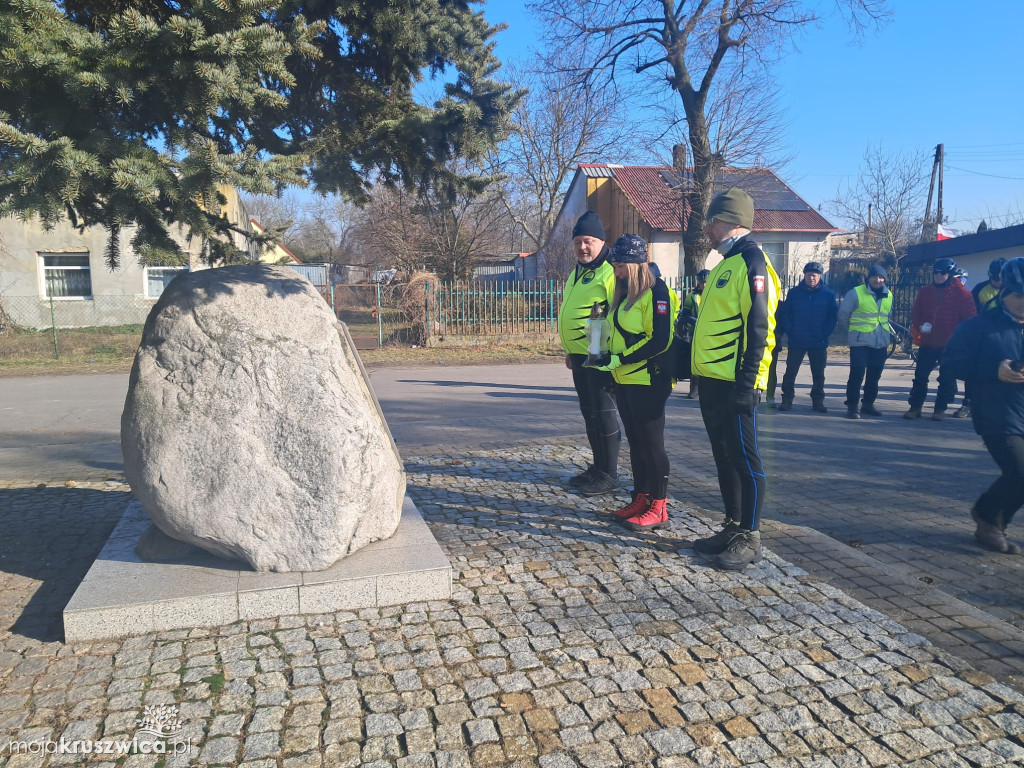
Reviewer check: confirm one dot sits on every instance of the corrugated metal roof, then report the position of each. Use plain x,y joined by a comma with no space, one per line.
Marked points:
661,206
990,240
595,171
791,221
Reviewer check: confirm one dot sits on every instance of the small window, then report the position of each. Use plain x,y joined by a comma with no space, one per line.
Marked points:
158,278
778,254
66,275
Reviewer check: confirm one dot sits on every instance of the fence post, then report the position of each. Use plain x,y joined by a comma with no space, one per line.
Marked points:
426,313
380,326
334,308
53,326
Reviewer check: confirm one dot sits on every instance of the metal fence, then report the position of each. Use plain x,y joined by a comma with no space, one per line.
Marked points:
377,314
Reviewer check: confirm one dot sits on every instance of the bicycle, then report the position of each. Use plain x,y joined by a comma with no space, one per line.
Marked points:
901,340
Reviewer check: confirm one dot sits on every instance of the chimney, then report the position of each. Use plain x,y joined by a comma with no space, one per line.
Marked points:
679,156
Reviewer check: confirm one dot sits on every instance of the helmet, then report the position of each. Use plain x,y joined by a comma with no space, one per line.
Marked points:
995,268
1012,276
702,276
814,266
943,266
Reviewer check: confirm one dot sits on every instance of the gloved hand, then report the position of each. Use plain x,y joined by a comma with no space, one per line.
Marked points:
743,400
613,362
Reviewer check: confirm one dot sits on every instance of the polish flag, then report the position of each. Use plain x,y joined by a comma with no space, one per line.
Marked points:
944,233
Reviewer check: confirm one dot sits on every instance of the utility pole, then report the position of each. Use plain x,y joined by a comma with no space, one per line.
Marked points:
941,160
927,233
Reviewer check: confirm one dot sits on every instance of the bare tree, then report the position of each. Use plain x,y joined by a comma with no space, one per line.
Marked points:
700,49
892,185
565,120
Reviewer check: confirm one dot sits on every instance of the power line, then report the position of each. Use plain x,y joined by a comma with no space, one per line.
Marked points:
990,175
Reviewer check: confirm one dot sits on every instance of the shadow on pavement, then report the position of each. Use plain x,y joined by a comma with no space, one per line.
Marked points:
52,536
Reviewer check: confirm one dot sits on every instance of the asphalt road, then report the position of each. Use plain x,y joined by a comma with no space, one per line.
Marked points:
56,428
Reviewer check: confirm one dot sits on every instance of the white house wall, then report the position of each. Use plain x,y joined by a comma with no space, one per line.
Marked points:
667,252
802,248
118,296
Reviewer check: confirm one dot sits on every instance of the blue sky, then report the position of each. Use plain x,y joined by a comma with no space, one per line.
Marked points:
939,71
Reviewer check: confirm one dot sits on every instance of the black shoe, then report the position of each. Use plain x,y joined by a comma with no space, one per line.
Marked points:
819,407
870,410
717,542
584,477
851,413
744,548
787,405
600,485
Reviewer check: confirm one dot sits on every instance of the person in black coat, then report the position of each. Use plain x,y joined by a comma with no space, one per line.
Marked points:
987,353
809,314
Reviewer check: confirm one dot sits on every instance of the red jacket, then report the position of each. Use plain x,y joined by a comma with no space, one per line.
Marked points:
945,308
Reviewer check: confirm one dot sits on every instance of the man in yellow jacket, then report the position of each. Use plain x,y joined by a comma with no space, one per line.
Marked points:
732,350
591,281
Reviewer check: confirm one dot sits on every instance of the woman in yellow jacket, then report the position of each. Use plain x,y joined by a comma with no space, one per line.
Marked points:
643,310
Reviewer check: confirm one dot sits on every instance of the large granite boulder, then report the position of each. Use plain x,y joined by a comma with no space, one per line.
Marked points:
250,429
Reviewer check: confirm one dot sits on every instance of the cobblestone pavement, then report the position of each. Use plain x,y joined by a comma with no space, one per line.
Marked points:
570,641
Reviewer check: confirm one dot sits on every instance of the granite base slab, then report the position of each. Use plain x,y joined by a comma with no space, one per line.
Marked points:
122,595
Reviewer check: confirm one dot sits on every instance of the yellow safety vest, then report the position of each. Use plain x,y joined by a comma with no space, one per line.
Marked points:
634,327
582,289
870,313
988,298
721,329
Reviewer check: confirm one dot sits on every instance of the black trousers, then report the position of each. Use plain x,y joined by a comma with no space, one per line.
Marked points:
733,436
596,391
642,408
794,359
1000,502
773,368
869,361
928,359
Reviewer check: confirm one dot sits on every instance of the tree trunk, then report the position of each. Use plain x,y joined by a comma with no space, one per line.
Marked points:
705,167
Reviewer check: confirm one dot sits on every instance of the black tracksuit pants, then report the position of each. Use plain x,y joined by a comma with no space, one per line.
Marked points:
928,359
794,359
596,391
869,361
733,436
642,408
1000,502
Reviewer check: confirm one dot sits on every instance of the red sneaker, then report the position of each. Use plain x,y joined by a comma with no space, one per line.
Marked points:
655,516
634,508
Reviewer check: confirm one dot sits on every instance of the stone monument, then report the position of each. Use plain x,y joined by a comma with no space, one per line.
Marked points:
250,430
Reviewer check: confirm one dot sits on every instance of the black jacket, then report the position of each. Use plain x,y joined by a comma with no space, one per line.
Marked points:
973,354
808,316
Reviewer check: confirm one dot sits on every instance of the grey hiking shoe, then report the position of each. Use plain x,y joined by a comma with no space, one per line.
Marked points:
868,409
584,477
913,413
717,542
600,485
744,548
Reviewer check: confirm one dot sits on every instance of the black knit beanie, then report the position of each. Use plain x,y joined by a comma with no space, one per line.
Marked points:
589,224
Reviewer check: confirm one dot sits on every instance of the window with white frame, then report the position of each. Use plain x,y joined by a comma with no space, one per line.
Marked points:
158,278
778,254
66,275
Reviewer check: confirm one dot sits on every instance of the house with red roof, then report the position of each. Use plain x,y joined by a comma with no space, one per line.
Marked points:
651,201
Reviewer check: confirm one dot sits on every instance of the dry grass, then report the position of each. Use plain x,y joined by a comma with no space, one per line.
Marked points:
111,350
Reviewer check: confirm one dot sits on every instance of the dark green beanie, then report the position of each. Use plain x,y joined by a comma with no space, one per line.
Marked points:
733,206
